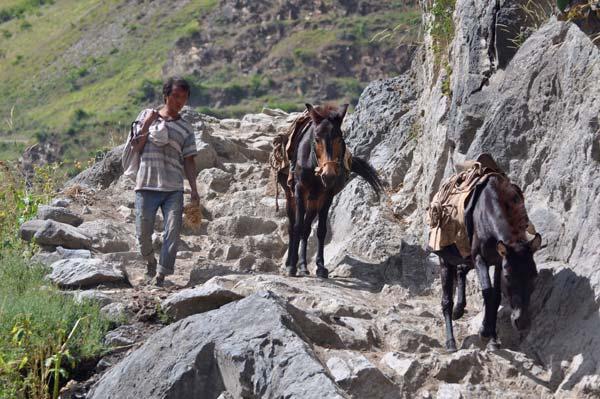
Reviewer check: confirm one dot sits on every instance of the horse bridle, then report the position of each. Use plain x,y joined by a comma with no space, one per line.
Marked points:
314,160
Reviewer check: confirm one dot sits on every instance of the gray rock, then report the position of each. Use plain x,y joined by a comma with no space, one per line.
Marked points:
102,173
359,377
241,226
28,229
61,234
76,273
115,312
62,202
276,112
215,179
59,214
190,301
97,297
107,236
404,369
248,348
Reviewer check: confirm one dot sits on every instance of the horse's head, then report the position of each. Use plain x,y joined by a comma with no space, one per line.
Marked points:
518,277
329,145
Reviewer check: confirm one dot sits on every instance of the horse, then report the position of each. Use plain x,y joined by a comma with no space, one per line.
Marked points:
318,172
497,224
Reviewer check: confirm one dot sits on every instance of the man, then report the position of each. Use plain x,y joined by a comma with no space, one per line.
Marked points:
167,148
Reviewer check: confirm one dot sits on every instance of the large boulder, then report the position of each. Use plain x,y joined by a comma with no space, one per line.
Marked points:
102,173
249,348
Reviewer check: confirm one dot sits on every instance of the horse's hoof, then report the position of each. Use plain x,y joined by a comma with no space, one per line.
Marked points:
493,345
451,345
291,271
322,272
458,313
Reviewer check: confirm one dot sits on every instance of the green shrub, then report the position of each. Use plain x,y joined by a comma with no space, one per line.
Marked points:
43,332
442,26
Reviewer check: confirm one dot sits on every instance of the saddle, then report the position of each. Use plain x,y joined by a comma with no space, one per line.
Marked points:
446,213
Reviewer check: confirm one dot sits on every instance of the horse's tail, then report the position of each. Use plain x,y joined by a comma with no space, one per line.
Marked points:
367,172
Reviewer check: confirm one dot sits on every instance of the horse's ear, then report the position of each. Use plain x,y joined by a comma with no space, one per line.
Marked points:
342,111
536,242
501,248
314,115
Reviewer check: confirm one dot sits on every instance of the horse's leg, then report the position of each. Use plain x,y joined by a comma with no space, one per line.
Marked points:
448,273
308,219
461,297
321,234
497,298
297,230
291,214
488,330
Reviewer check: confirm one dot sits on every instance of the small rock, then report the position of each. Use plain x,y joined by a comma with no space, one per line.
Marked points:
86,210
92,296
185,254
276,112
103,364
449,391
61,234
190,301
74,273
229,124
59,214
115,312
353,372
106,236
61,202
28,229
215,179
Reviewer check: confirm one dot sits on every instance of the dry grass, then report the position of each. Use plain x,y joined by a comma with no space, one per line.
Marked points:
192,216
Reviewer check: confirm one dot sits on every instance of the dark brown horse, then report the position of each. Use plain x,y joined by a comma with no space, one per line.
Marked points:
496,222
318,174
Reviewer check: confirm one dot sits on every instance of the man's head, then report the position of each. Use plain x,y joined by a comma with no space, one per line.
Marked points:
176,92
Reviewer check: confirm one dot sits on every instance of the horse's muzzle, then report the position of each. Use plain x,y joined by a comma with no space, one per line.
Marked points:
328,180
519,318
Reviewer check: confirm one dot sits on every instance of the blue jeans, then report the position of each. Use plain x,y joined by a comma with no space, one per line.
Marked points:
147,203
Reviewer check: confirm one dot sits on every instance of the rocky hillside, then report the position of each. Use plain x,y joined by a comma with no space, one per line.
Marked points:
238,329
73,74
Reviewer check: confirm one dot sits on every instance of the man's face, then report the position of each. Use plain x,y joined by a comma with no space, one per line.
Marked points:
177,99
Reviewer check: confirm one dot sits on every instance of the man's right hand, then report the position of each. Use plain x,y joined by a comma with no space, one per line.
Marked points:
152,116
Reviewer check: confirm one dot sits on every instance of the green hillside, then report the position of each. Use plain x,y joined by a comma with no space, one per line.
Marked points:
77,71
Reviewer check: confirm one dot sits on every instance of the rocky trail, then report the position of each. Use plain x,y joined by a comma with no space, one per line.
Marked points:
373,330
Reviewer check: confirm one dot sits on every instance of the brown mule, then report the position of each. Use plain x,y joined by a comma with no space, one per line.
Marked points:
318,173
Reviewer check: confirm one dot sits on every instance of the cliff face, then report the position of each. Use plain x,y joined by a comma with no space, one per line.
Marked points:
534,106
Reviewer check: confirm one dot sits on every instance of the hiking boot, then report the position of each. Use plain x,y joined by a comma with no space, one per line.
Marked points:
160,280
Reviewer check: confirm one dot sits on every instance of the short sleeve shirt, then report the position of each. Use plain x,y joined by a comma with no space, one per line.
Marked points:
161,167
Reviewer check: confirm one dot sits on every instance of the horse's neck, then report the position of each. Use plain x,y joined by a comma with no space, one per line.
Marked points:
305,156
503,225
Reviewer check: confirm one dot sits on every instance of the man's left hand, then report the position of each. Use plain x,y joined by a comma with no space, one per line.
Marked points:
195,198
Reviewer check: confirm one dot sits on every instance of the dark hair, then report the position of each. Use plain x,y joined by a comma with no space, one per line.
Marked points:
175,81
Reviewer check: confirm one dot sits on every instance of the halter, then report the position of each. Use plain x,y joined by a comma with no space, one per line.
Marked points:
315,161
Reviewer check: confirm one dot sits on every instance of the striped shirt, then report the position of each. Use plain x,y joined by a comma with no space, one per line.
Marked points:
161,167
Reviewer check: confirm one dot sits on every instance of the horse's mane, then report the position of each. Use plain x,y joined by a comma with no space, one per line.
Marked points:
513,206
327,110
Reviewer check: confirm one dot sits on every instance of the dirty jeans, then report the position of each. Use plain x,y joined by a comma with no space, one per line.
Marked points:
147,203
